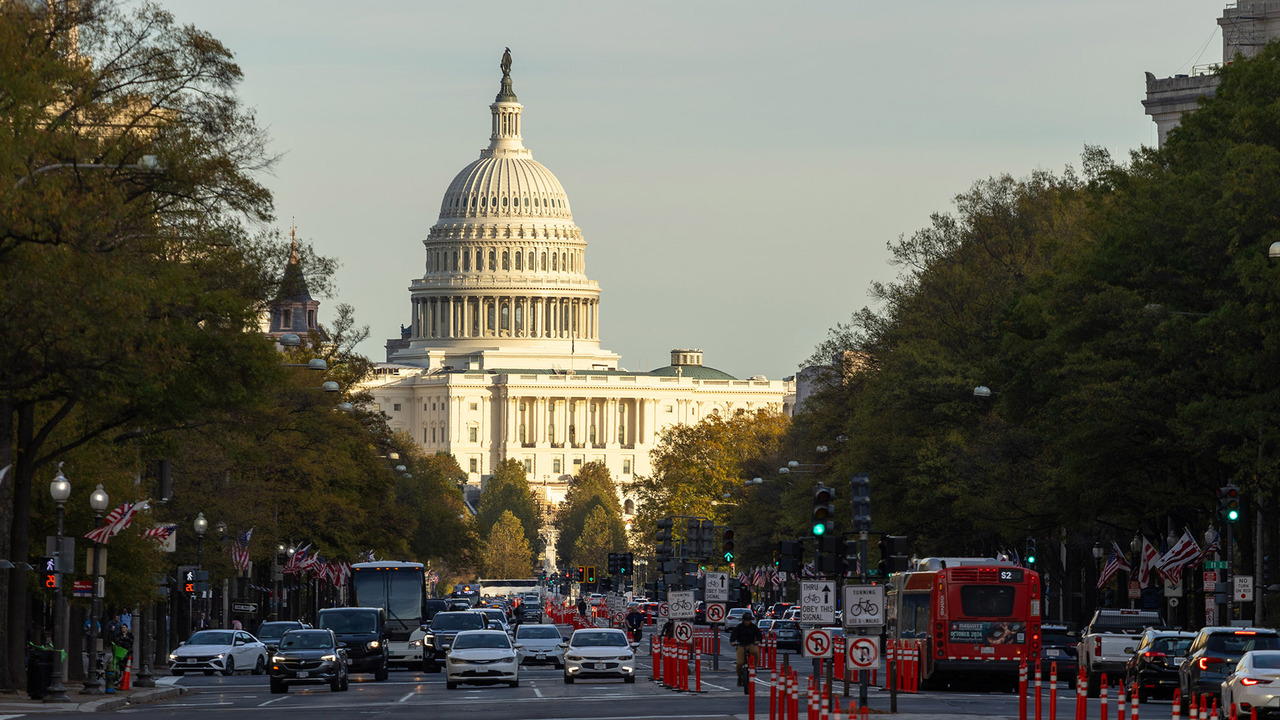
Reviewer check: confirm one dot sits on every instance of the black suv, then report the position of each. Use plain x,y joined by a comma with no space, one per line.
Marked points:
1058,645
309,657
363,632
1154,663
439,638
1214,653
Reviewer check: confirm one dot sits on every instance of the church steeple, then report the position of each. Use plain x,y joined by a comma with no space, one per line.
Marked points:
293,310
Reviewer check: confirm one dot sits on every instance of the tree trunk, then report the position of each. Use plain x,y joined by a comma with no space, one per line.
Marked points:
6,526
19,546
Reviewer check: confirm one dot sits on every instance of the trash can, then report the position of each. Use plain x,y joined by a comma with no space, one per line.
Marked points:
40,662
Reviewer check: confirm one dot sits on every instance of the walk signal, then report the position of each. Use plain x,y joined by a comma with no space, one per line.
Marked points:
1229,503
49,574
726,545
824,510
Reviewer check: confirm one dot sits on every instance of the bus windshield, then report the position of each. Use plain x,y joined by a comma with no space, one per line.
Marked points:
401,591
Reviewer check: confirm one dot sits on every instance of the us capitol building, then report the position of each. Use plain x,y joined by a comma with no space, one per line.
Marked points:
503,360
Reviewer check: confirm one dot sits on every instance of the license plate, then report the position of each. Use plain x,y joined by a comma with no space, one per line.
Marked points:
306,674
598,666
542,656
1178,661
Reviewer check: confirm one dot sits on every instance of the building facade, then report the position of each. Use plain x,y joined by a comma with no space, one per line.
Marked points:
502,358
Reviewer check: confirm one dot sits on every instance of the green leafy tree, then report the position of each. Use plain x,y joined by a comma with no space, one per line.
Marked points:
507,553
593,487
508,490
601,534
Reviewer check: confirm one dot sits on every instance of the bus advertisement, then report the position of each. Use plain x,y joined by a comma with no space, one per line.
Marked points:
399,588
978,618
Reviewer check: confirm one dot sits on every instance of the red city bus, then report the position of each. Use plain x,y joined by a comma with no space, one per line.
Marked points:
979,618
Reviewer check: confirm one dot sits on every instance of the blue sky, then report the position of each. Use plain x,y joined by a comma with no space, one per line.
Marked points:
737,168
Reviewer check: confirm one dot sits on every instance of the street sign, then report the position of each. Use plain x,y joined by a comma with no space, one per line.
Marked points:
863,605
817,643
716,588
664,610
818,602
863,652
1215,564
1174,590
1210,611
1243,588
1135,590
715,612
244,607
1210,580
82,588
684,631
681,603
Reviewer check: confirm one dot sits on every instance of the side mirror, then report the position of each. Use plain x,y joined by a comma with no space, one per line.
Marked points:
343,645
518,646
563,646
1129,650
635,645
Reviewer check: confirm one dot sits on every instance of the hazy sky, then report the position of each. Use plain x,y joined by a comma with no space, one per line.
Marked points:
737,168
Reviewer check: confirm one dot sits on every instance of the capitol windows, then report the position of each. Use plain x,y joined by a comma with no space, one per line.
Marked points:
519,319
528,466
506,260
466,262
553,262
475,465
555,465
473,434
479,260
626,467
504,201
544,262
506,318
493,261
564,262
531,266
491,313
629,507
455,261
484,202
519,261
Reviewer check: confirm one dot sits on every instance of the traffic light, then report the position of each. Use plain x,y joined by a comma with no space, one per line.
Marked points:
790,556
613,563
727,545
591,573
1031,551
824,510
861,485
1229,503
49,573
626,564
707,540
582,573
852,554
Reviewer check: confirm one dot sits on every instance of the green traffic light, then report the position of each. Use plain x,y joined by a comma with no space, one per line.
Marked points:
1031,560
728,557
1233,515
819,528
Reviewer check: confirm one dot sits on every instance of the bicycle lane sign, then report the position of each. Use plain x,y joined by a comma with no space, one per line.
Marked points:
863,605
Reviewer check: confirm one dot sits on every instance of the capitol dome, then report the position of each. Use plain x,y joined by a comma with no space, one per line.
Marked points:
505,281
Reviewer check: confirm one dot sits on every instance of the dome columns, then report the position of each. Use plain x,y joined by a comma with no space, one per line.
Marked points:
506,316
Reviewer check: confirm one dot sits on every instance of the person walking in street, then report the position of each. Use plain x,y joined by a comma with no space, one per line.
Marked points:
201,623
582,607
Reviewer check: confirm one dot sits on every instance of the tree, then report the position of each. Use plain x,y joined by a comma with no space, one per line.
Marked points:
132,288
506,551
443,529
601,535
508,490
593,487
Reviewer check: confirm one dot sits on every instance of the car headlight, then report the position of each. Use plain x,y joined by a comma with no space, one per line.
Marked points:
277,658
219,656
330,658
509,658
415,643
173,657
374,644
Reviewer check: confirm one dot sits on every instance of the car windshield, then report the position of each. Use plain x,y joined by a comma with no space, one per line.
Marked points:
546,632
784,625
348,622
1241,642
211,637
1267,660
481,640
273,631
458,621
1171,645
599,639
306,641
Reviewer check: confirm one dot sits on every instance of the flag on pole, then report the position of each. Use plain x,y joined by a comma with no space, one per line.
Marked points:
1147,565
240,550
293,565
1183,553
160,532
116,521
1114,562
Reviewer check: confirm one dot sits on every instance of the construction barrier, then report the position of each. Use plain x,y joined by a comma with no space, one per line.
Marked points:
1022,691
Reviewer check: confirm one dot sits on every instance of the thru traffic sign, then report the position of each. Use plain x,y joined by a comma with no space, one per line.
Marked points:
818,602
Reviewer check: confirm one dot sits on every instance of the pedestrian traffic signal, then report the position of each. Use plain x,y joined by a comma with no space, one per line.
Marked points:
1229,503
1031,551
49,573
727,545
824,510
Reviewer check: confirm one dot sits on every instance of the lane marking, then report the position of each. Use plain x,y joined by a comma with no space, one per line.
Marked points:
407,696
270,701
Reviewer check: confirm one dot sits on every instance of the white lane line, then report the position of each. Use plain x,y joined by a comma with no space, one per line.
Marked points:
407,696
537,692
270,701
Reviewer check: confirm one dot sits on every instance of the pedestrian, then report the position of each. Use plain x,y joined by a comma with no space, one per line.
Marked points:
236,625
201,623
582,607
668,629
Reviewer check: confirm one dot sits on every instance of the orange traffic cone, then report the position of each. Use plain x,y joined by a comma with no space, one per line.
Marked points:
125,681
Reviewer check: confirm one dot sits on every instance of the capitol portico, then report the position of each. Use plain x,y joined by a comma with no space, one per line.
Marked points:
502,358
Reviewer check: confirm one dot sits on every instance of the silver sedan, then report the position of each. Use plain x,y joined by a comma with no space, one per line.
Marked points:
482,657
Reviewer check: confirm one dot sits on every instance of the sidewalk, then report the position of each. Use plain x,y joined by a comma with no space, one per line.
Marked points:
20,703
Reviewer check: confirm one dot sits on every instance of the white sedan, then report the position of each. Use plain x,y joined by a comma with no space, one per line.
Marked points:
482,656
223,651
1255,683
599,652
540,645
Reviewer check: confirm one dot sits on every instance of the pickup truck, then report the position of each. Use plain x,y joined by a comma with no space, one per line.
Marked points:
1107,643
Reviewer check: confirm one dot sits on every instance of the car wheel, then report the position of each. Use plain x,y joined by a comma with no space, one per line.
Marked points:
335,685
451,685
346,682
629,679
278,687
514,683
261,667
568,679
230,666
381,673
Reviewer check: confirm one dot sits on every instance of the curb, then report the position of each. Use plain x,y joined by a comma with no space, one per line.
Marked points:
138,697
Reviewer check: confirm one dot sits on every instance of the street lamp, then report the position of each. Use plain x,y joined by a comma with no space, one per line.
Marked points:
1135,546
59,490
98,501
200,526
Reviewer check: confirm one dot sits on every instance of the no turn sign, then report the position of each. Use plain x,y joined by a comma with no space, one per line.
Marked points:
715,612
864,652
684,631
664,610
817,643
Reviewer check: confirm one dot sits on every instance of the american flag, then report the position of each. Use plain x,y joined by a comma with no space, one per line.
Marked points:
160,532
116,521
369,556
293,565
1115,563
240,550
742,577
777,579
1182,554
1147,565
1214,546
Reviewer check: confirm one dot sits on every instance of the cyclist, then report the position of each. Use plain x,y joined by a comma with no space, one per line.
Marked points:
746,637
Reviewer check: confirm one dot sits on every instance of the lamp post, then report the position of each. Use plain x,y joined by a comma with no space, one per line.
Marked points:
1135,546
1098,552
200,526
59,490
92,682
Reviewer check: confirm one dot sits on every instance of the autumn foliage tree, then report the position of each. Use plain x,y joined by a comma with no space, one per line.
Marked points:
507,553
592,488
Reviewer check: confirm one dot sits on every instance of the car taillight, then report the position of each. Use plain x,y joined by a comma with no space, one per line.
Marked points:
1255,681
1205,662
1152,654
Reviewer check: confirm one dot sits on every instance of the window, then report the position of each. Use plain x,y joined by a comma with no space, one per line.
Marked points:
395,407
629,507
986,600
553,262
506,318
286,318
466,262
424,435
544,262
669,409
528,466
493,261
577,462
475,465
455,261
424,407
519,261
473,433
433,434
506,260
311,319
626,467
555,465
475,406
